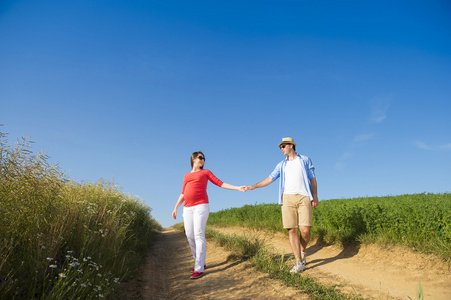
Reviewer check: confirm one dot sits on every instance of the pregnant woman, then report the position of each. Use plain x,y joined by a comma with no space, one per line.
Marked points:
196,209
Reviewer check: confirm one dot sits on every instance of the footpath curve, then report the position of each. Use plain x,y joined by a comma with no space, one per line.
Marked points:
372,271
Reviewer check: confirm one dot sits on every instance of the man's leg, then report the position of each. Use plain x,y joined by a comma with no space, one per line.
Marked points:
299,242
304,238
290,222
295,243
305,223
296,247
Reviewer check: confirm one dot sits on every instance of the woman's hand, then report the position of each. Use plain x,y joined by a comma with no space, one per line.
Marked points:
179,202
242,189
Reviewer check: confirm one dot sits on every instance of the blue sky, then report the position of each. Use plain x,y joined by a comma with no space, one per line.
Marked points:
127,90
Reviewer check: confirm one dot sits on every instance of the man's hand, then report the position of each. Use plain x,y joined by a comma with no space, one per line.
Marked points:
261,184
315,202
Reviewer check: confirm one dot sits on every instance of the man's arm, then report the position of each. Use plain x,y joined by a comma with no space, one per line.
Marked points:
314,192
261,184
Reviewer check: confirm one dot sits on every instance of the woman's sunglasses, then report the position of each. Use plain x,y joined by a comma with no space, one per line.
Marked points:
201,157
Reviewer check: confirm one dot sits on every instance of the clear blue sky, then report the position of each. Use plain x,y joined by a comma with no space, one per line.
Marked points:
127,90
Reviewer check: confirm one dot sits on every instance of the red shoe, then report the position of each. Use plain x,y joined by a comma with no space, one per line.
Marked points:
196,275
205,266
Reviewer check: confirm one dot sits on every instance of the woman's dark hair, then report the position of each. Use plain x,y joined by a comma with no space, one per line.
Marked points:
194,156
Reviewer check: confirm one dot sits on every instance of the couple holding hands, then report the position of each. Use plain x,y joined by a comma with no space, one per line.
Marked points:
297,197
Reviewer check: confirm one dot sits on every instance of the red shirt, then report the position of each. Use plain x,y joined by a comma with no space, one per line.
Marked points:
195,186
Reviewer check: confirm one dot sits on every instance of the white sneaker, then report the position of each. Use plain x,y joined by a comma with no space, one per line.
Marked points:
298,267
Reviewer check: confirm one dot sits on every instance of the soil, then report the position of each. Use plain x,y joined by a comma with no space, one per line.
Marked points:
371,271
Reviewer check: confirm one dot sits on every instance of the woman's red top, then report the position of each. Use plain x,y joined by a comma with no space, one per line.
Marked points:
195,186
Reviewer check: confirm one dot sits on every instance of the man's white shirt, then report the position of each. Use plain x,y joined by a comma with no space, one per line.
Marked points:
294,179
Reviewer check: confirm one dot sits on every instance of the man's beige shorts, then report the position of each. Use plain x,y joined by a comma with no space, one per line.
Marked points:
296,210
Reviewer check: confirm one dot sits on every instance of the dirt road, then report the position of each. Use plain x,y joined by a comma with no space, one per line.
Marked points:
373,272
166,275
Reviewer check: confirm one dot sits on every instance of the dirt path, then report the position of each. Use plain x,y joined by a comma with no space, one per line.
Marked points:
371,271
166,275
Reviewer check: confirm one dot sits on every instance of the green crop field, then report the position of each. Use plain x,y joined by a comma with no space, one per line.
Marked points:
419,221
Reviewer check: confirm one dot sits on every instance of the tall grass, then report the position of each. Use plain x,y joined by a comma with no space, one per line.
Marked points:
420,221
60,239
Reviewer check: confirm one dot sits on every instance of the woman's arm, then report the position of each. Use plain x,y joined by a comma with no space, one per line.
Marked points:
177,205
232,187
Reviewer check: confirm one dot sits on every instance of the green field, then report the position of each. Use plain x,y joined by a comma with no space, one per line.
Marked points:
65,240
419,221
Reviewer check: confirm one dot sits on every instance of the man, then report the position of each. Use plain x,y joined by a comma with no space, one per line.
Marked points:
297,195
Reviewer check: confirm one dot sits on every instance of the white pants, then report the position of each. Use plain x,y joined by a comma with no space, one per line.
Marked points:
195,220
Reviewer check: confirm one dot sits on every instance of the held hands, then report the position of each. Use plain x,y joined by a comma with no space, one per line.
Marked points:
242,189
245,188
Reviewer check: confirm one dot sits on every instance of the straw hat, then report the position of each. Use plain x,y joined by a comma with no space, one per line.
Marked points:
287,140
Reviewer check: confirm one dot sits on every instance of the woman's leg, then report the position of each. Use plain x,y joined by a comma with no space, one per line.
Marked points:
188,221
201,213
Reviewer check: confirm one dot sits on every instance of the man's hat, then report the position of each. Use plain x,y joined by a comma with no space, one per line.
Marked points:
287,140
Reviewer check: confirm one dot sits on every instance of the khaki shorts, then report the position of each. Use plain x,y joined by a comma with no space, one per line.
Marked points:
296,210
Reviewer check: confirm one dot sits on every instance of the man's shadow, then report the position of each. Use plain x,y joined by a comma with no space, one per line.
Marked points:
346,252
